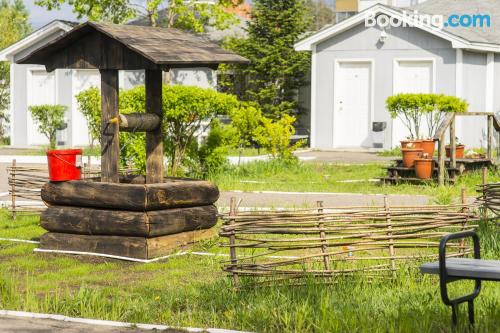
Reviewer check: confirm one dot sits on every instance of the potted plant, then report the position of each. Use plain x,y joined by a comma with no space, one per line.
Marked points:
410,154
459,151
424,166
412,109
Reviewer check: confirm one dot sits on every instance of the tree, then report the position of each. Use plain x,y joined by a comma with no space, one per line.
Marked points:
276,71
191,15
321,14
14,26
49,119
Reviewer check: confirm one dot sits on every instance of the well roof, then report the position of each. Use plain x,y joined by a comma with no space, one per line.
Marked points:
161,46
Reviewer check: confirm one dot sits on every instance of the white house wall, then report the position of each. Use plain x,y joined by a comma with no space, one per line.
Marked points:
200,77
472,130
363,43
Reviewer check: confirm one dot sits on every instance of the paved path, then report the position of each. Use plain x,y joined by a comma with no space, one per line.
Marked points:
297,199
27,322
29,325
344,157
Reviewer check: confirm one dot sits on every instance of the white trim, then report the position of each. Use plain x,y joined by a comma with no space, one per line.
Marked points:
395,65
314,64
459,72
336,68
490,82
322,35
8,53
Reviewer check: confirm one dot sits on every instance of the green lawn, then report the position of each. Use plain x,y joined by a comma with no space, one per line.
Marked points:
316,177
193,291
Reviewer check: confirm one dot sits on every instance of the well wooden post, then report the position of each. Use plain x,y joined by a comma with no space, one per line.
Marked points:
322,235
154,139
441,160
110,146
232,241
392,253
453,147
490,138
13,188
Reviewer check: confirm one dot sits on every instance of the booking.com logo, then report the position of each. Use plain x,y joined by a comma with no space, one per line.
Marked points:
411,19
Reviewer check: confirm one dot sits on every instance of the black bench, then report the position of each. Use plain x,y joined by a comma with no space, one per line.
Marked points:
453,269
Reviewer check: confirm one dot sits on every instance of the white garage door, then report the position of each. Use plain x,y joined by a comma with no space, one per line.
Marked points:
41,90
352,105
411,77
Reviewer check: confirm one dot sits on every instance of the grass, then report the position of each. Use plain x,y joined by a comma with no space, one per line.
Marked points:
315,177
193,291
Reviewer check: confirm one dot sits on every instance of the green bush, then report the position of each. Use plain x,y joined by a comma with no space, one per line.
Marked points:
185,110
275,136
49,119
211,155
413,108
245,120
89,104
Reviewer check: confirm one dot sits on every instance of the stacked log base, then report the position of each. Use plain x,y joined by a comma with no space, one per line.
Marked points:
131,219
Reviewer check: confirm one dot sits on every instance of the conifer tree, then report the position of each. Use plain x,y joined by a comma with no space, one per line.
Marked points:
276,71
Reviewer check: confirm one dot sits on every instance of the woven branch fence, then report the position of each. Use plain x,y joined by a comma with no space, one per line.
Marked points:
327,242
26,182
490,198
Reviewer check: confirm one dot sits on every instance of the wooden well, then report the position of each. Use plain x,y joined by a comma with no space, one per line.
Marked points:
142,217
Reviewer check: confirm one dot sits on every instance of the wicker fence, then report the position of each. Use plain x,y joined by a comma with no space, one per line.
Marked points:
327,242
490,199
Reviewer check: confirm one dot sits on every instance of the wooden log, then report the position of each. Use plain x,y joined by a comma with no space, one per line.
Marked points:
134,197
91,221
154,139
139,122
110,148
132,247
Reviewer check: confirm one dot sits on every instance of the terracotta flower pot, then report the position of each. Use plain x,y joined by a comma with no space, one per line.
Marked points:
424,168
459,152
410,155
411,144
428,146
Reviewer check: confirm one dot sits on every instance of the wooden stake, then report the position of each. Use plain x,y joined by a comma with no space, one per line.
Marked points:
463,199
110,145
324,244
485,182
13,189
453,148
441,161
154,139
490,138
232,241
389,233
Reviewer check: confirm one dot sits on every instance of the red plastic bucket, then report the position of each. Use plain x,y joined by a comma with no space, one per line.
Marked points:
64,164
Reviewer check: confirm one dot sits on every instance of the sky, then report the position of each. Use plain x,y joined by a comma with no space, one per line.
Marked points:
40,16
